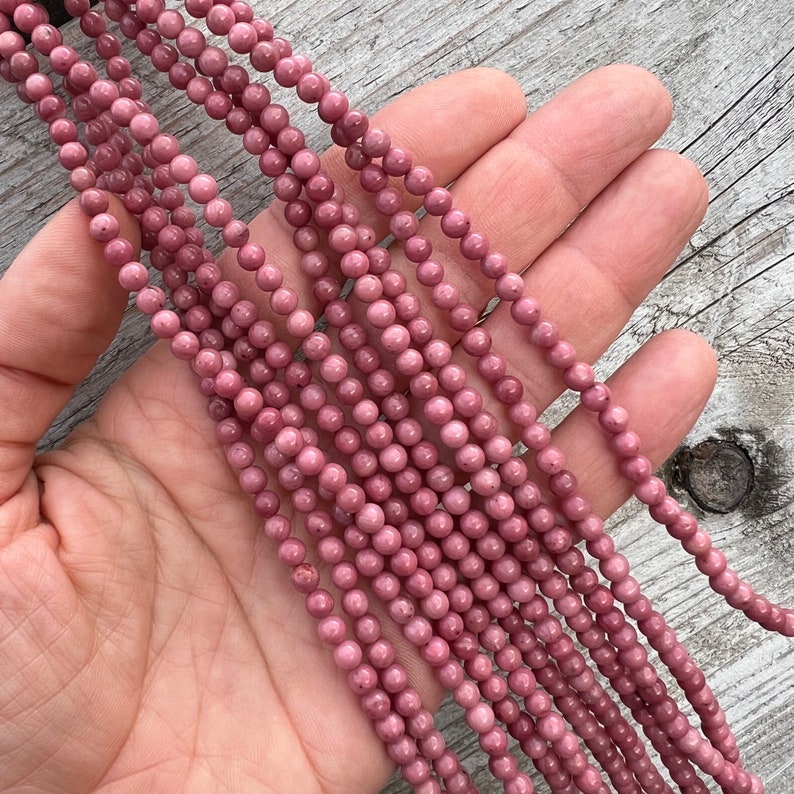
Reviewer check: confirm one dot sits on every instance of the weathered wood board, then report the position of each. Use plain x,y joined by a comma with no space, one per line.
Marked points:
730,69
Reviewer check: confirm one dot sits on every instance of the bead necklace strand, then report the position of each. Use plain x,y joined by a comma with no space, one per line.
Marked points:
350,129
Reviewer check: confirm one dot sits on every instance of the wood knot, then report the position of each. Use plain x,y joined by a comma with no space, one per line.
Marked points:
717,474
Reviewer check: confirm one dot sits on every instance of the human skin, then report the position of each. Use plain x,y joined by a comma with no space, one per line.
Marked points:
148,633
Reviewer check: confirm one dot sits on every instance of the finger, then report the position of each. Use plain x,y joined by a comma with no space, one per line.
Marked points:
590,281
525,191
664,387
60,306
481,106
446,125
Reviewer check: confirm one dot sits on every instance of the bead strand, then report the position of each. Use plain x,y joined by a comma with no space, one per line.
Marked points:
290,551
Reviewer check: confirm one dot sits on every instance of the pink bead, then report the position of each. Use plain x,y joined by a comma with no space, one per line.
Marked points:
455,223
202,188
183,168
626,443
333,368
144,127
397,161
133,276
614,567
304,579
403,225
331,630
311,86
596,398
480,718
550,460
563,356
445,295
370,518
666,511
347,655
454,434
150,299
165,324
614,419
474,245
699,544
240,455
650,490
636,468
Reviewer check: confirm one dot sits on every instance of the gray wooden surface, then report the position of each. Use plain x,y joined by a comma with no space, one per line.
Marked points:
730,68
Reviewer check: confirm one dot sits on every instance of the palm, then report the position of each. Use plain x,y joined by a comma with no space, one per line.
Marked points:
189,661
148,636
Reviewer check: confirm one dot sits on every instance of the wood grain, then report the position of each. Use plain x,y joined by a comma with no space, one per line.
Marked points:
730,69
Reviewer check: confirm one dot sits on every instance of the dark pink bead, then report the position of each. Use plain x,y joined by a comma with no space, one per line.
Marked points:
650,490
311,86
437,201
45,38
417,248
474,245
419,180
455,223
396,161
332,106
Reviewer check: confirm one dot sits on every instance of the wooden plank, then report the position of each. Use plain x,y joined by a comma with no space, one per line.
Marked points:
730,69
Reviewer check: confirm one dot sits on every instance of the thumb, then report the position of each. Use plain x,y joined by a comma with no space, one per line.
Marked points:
60,307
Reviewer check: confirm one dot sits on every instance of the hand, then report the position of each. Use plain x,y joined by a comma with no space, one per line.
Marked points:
149,638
